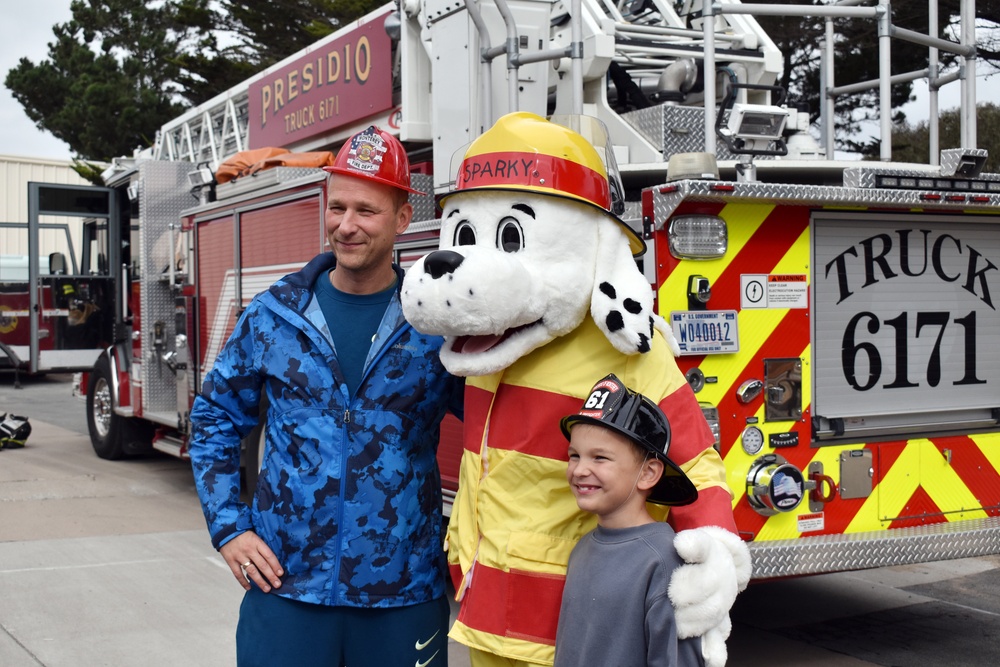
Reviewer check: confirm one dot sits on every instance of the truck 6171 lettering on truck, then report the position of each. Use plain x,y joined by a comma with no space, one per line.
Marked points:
913,309
889,255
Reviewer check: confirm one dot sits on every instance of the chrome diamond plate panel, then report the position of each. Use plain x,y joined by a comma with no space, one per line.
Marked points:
667,197
859,551
423,205
647,122
675,129
950,158
865,177
426,225
164,192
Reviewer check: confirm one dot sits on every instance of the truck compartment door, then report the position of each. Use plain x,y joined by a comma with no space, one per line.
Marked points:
72,275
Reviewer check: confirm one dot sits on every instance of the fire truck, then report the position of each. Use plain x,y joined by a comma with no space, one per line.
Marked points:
837,319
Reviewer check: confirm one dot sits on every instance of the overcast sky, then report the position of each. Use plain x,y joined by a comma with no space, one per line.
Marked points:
26,30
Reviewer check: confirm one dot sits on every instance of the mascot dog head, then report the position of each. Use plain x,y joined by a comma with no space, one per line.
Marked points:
528,246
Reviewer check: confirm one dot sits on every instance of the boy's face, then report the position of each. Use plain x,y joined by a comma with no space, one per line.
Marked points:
604,468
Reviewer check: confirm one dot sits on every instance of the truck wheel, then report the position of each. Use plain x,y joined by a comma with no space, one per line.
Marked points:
104,425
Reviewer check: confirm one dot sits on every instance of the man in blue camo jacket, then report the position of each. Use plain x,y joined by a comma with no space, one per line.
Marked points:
341,551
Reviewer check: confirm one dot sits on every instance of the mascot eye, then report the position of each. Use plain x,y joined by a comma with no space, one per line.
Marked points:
465,234
509,236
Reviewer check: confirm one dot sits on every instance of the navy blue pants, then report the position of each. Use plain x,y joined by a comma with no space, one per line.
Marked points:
274,632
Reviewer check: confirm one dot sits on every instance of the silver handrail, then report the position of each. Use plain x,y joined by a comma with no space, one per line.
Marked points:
886,31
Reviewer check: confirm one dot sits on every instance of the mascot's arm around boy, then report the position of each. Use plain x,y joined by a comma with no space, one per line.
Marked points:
537,295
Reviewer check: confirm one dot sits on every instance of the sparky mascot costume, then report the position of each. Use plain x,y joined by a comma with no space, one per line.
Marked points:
536,292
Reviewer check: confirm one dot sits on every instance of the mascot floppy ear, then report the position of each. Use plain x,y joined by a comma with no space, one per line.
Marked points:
622,301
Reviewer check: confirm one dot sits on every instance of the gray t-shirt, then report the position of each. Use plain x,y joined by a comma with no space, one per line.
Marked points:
615,610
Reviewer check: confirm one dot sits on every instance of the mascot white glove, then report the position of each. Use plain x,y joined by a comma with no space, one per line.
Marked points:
717,567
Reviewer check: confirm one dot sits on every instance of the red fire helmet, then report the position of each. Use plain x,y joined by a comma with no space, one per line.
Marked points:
375,155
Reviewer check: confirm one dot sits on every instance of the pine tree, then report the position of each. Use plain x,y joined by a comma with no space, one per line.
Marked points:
120,69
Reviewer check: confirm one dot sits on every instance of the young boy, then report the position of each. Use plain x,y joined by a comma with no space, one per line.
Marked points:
615,610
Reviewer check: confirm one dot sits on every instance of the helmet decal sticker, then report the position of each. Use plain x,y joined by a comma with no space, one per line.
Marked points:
366,151
594,406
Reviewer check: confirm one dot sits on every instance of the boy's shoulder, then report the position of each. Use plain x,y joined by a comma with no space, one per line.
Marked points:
658,540
655,534
648,548
660,536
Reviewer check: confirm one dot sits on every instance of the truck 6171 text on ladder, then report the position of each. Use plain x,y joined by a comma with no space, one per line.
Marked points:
837,319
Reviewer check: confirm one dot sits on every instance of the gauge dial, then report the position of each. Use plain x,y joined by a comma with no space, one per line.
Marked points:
752,439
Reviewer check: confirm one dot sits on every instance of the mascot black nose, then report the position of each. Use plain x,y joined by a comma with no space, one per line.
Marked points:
441,262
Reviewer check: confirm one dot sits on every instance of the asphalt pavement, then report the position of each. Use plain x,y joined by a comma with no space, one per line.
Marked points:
106,562
109,563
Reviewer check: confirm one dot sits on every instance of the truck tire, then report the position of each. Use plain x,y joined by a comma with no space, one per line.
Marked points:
104,425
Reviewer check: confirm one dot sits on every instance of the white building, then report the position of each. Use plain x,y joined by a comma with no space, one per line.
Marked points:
15,174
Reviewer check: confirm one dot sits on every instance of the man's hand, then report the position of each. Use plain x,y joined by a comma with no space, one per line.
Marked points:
251,559
717,567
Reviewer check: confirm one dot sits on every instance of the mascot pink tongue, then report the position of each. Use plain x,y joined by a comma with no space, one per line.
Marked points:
474,344
530,248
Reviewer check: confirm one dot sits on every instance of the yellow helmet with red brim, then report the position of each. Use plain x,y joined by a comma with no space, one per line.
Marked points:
525,152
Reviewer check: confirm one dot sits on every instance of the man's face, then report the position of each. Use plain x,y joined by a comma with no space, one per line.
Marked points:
362,221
